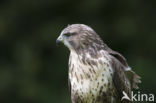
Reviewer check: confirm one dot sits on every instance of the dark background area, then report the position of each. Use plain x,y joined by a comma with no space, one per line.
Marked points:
34,70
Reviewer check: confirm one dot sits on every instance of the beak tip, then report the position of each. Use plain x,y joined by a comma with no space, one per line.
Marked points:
57,41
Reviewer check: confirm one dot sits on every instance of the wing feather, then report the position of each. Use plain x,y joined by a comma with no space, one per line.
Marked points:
124,78
130,74
120,81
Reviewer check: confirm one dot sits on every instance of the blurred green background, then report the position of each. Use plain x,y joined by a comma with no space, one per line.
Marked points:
33,69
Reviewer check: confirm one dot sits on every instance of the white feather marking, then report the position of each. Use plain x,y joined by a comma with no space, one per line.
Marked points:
128,68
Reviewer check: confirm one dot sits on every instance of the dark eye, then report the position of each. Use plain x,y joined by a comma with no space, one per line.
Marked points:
69,34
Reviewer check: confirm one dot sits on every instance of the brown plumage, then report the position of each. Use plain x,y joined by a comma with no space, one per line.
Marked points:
97,74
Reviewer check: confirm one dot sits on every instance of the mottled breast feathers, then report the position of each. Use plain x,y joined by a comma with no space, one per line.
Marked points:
97,74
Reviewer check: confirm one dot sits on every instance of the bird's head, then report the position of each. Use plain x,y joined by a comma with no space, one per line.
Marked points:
79,36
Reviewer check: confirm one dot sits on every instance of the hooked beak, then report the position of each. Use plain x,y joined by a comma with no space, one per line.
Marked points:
59,39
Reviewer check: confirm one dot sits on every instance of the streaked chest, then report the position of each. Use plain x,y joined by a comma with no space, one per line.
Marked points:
90,77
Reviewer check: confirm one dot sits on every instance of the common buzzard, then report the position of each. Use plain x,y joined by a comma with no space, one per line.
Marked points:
97,74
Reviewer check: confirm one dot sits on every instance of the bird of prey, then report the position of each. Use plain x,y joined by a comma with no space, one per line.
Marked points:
97,74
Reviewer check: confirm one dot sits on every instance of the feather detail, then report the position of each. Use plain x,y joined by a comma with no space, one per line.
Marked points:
130,74
134,79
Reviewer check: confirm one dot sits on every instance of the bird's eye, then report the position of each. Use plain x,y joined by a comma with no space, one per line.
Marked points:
69,34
